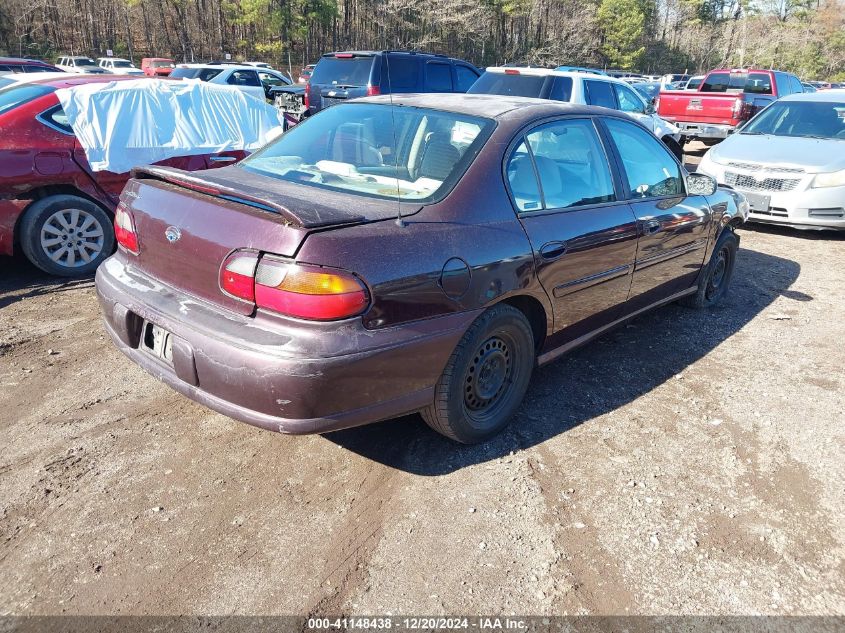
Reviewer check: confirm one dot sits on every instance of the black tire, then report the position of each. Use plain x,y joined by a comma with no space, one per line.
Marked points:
485,379
40,225
716,278
674,147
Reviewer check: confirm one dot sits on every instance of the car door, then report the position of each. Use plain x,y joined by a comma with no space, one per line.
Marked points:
673,226
582,232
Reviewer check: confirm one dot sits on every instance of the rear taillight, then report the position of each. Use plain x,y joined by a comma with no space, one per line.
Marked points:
308,292
511,71
237,275
307,100
124,229
372,91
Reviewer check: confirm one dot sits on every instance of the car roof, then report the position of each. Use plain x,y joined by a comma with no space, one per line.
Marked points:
221,67
836,95
545,72
488,106
23,60
78,80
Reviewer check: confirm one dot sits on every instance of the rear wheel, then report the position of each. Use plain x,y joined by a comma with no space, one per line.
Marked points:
716,278
66,235
485,379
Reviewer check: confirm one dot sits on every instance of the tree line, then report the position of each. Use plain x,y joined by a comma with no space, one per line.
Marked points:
654,36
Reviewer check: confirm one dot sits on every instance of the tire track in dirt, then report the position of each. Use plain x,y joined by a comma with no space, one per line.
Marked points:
582,585
350,550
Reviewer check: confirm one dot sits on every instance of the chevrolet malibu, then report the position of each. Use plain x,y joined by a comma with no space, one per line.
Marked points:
789,162
420,256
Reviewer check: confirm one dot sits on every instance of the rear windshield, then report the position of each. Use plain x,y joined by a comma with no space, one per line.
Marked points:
356,148
13,96
203,74
808,119
757,83
508,85
343,71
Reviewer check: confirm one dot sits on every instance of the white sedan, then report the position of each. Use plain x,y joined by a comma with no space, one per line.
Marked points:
119,66
789,161
252,80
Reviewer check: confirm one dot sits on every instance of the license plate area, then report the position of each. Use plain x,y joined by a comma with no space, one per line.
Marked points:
157,341
758,202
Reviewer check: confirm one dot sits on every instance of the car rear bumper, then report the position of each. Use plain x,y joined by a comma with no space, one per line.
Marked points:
10,211
704,130
279,374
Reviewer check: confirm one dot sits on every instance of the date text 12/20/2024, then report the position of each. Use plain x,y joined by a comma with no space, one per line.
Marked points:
418,623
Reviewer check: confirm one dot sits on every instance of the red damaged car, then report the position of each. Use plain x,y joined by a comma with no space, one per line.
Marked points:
382,259
53,206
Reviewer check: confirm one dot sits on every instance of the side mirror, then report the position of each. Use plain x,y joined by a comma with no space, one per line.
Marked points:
649,109
700,185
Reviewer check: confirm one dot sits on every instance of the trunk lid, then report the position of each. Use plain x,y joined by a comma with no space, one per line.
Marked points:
189,222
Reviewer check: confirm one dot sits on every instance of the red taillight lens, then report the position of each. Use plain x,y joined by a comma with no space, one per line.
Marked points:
237,275
124,230
307,99
372,91
511,71
308,292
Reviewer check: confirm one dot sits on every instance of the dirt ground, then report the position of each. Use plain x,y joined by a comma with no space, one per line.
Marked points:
689,462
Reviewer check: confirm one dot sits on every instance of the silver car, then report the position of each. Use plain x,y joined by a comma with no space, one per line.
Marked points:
789,161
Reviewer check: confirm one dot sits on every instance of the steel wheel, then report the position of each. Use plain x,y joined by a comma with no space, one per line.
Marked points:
72,238
488,375
718,274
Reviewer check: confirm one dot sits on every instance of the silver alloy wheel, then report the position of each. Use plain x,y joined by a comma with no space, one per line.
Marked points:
72,238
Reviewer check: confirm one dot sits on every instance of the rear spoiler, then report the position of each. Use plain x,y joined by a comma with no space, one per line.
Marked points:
249,190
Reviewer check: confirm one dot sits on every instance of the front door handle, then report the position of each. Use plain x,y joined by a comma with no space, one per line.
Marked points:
222,159
650,227
553,250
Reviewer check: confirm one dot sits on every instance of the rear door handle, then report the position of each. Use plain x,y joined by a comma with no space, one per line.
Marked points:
650,227
222,159
553,250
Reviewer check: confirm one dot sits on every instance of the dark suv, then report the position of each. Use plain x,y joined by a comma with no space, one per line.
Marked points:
347,75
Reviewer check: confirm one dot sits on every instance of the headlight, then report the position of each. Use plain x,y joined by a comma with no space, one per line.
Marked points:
832,179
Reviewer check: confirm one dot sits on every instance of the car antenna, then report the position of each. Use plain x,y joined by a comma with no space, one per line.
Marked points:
400,221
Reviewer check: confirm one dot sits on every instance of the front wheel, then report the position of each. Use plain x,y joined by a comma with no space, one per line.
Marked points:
485,379
716,277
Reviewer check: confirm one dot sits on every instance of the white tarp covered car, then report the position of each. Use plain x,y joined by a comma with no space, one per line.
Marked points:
124,124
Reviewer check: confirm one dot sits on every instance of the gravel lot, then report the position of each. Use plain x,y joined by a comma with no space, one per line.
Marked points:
689,462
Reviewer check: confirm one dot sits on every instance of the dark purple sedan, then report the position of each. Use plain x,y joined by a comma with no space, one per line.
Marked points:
378,260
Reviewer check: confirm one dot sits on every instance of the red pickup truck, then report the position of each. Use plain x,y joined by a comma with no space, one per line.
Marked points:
726,100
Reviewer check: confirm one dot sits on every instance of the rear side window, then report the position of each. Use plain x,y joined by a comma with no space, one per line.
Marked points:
650,169
509,85
404,73
438,77
465,77
561,89
343,71
16,95
56,118
570,163
600,93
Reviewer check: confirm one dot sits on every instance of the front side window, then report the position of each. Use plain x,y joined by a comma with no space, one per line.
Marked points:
650,169
269,79
628,101
465,77
600,93
244,78
570,163
376,150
